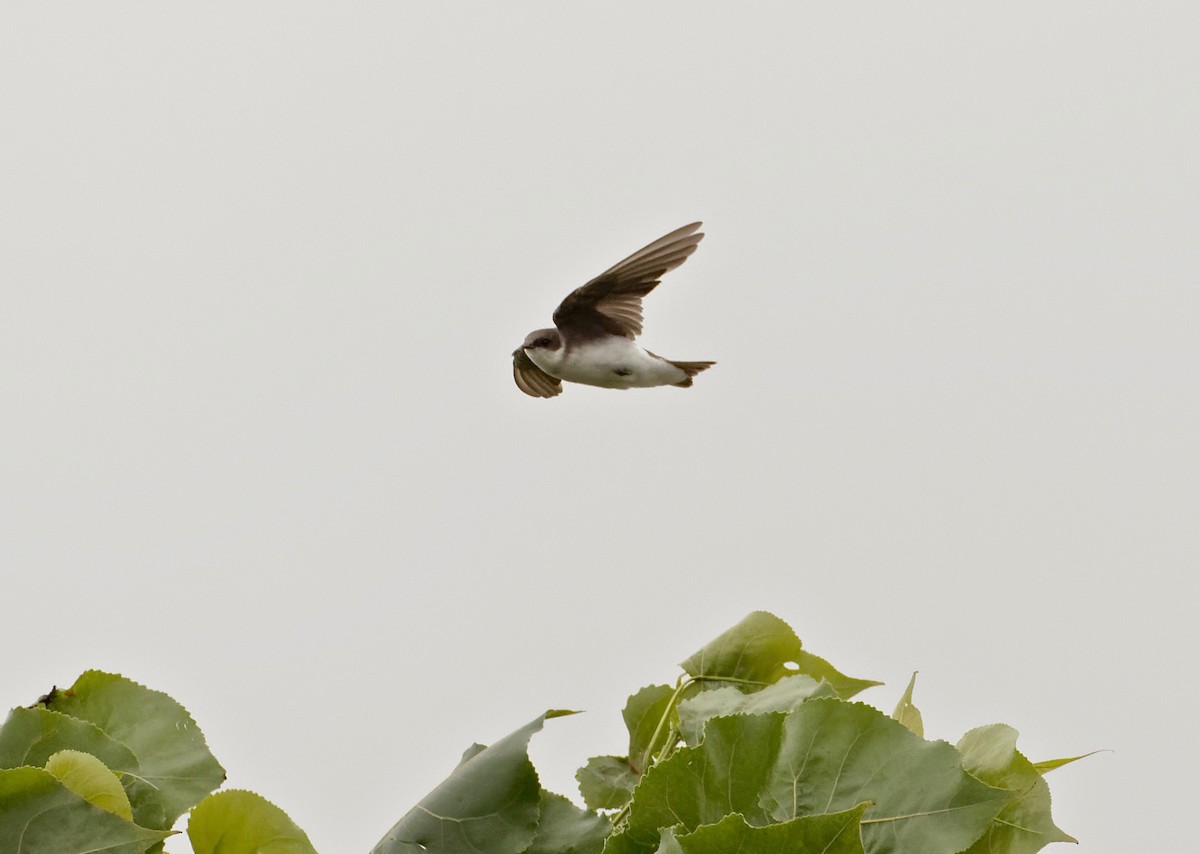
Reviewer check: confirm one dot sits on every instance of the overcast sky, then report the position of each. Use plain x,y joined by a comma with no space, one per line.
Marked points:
264,264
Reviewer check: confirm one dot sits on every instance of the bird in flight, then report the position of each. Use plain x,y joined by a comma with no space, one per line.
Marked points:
592,340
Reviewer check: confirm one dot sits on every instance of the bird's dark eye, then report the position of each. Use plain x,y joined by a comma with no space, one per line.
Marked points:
542,342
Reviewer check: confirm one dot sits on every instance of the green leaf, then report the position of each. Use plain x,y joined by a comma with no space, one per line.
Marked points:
240,822
607,782
727,773
907,713
91,779
758,650
840,754
833,833
566,829
783,696
39,815
31,735
1048,765
172,759
490,802
642,714
620,843
826,756
818,668
761,650
1024,826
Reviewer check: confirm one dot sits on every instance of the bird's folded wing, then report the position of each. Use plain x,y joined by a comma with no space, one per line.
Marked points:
533,380
611,303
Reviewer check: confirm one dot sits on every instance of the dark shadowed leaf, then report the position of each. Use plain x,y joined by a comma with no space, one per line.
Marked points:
606,782
1024,826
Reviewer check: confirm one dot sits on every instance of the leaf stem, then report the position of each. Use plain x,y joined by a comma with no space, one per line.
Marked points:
680,684
672,734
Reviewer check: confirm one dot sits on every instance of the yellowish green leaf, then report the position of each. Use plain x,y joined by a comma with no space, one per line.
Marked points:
91,779
907,713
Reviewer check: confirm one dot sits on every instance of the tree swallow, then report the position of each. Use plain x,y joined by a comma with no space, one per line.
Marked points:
592,341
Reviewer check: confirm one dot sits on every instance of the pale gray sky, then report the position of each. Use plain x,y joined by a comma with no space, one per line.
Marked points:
263,266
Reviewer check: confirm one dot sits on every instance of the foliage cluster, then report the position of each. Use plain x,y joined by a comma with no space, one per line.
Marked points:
757,747
110,765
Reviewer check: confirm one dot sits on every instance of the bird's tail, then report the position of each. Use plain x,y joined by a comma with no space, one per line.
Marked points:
691,369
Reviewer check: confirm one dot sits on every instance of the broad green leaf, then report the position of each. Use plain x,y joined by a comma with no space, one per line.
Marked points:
240,822
31,736
1024,826
566,829
783,696
762,649
39,815
818,668
172,757
727,773
757,650
840,754
826,756
91,779
1048,765
642,714
907,713
620,843
834,833
490,802
607,782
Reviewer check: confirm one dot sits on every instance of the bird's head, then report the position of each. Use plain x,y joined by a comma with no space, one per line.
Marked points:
542,339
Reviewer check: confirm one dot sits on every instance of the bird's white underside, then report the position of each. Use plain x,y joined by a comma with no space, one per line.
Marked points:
598,363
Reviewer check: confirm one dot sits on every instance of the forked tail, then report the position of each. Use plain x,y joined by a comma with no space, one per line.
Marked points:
691,369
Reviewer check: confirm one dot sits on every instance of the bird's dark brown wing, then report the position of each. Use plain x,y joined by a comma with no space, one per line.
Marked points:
611,303
533,380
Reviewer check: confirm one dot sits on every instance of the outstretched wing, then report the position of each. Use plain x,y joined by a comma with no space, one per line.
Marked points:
533,380
611,303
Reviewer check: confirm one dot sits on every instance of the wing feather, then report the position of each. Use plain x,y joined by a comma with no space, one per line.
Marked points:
611,303
533,380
